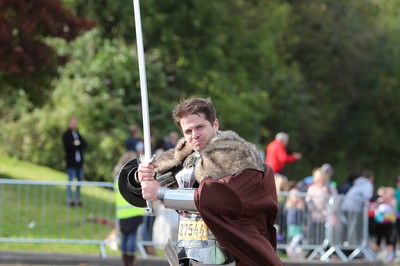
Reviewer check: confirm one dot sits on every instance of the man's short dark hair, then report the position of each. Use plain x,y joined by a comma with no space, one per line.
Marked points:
193,106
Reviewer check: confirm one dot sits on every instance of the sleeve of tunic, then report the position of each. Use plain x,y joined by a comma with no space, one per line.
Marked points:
240,210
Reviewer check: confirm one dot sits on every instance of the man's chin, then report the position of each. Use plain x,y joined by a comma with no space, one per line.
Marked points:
197,147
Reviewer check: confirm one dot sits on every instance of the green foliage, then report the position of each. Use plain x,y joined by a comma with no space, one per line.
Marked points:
208,50
19,101
99,86
326,72
27,62
345,50
115,17
229,51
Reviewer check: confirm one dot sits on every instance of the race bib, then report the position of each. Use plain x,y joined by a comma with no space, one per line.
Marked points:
192,227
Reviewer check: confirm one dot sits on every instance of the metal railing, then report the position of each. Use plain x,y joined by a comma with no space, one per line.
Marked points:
327,231
37,212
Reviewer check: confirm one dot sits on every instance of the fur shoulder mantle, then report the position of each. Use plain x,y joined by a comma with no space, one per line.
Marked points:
226,154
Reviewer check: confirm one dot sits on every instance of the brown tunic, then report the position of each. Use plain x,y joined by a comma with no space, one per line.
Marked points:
240,210
236,196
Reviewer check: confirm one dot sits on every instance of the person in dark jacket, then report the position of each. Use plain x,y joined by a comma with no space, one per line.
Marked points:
133,143
74,145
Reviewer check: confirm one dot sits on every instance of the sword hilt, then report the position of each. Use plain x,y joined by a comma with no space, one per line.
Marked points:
149,210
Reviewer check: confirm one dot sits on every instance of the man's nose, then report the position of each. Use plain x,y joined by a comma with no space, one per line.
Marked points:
195,134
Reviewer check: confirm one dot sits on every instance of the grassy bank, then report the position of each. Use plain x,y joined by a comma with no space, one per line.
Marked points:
20,206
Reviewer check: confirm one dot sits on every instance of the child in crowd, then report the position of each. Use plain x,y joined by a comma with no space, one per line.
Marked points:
385,218
295,221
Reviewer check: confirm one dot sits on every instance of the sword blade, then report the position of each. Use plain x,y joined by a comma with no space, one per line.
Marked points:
143,92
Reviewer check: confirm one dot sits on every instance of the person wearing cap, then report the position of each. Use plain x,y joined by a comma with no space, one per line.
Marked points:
276,154
327,169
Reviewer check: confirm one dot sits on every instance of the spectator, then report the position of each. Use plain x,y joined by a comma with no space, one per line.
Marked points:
397,196
74,145
295,222
173,138
317,198
282,185
129,217
345,187
133,143
363,188
276,155
326,169
373,205
306,182
161,146
353,203
385,217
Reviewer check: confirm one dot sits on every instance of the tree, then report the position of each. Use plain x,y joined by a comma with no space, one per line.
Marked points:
324,71
27,62
115,18
229,50
202,57
99,86
347,54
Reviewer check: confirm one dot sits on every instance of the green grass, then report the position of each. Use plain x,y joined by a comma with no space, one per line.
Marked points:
44,205
81,228
24,170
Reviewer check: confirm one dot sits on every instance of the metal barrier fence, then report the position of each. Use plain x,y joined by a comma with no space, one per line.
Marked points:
323,226
37,212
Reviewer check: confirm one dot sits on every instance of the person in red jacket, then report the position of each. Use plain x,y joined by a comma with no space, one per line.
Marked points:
276,155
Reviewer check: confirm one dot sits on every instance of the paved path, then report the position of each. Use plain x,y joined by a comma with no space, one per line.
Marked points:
35,259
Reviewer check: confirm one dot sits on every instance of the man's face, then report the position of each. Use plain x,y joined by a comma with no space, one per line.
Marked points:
198,131
73,124
285,142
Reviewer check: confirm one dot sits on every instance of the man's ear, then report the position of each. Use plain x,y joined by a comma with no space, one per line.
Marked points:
216,125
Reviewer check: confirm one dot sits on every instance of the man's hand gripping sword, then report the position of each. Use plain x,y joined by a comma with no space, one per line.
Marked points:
149,209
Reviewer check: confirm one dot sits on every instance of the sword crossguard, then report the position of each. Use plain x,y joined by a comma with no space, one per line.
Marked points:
142,159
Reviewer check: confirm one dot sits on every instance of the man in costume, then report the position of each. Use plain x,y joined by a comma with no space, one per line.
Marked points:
231,220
